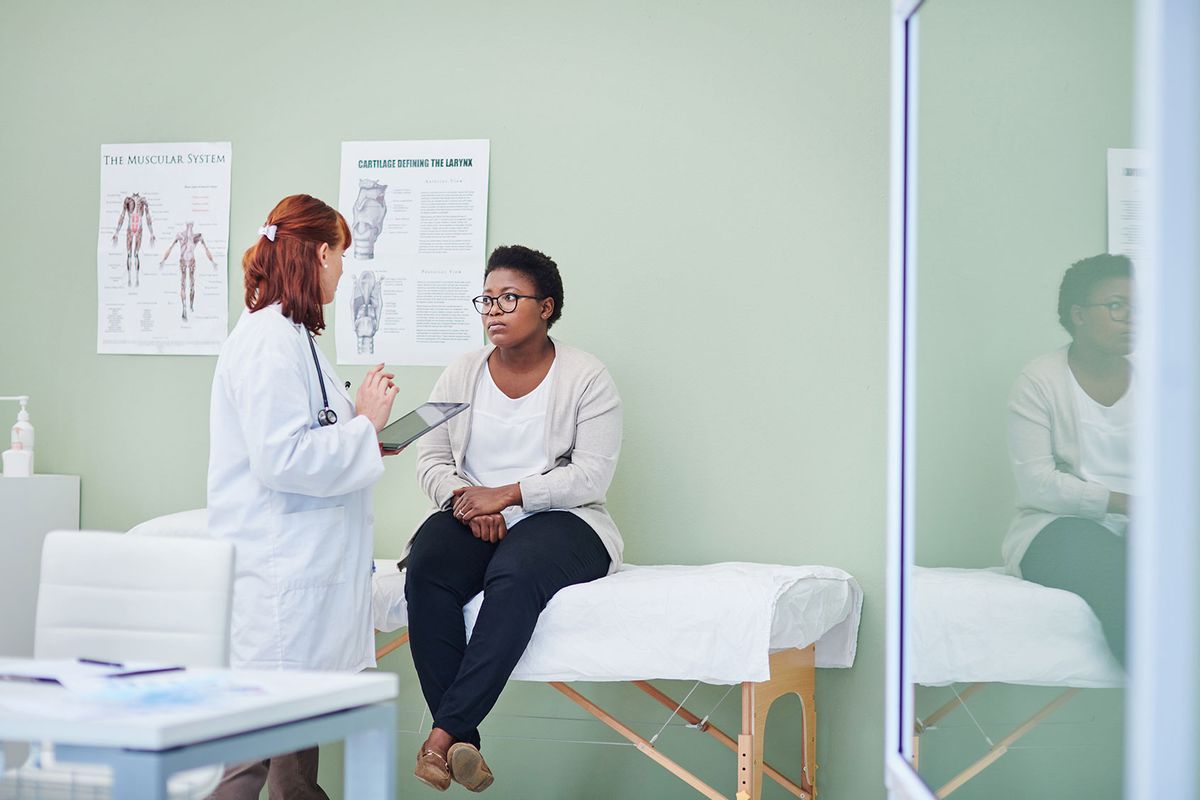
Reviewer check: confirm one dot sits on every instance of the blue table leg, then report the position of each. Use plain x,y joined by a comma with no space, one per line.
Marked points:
369,733
138,775
370,758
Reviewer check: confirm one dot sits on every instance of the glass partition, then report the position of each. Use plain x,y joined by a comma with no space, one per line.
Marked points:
1018,309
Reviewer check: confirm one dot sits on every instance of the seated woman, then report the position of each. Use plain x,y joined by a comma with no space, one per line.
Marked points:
1070,438
518,484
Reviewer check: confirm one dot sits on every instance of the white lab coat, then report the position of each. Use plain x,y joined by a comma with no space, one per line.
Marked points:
294,498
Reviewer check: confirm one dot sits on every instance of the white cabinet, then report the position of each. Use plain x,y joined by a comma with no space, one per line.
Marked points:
29,509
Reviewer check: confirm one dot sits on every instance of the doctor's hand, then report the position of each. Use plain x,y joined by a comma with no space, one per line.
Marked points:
375,396
488,528
474,501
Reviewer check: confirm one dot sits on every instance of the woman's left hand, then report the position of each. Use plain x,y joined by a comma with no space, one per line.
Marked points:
488,528
474,501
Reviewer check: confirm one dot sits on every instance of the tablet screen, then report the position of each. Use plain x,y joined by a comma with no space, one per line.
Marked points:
419,421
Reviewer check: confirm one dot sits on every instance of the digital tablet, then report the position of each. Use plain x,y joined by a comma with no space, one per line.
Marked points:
417,423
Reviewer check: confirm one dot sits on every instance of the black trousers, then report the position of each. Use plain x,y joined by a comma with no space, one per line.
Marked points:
1084,557
518,575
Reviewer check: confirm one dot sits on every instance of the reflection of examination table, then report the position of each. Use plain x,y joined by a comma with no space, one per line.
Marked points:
762,626
980,626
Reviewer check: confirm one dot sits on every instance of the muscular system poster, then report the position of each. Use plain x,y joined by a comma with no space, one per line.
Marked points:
418,215
161,255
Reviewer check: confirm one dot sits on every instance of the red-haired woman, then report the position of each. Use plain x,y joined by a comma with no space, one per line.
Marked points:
291,465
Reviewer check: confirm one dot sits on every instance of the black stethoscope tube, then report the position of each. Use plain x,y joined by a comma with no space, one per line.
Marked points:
326,416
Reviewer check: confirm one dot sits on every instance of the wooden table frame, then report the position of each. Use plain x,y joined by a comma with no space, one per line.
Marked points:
792,672
996,750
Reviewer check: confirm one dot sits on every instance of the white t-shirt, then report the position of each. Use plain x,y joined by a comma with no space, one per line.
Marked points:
508,437
1106,446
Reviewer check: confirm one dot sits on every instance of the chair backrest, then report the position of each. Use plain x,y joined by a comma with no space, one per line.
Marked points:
138,598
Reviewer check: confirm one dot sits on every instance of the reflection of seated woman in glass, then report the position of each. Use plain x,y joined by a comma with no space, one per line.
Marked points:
1070,438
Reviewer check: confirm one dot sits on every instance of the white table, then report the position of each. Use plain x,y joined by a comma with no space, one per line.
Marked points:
294,711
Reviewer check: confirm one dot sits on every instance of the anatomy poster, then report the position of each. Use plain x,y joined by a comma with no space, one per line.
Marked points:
1126,184
418,215
161,256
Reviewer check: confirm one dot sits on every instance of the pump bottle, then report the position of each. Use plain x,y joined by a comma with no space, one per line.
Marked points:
18,459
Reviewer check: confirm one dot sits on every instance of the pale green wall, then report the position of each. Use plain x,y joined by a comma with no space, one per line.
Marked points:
711,177
1019,102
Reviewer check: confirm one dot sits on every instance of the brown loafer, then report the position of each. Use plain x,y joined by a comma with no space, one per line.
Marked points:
468,767
433,769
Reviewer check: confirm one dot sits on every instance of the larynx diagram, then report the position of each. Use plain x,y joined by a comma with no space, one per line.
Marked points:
369,210
368,309
187,239
138,210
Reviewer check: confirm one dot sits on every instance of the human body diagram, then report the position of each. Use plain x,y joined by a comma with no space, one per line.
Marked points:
368,308
187,239
369,210
138,210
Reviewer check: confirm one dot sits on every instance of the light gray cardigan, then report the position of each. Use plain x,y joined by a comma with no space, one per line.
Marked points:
583,440
1043,444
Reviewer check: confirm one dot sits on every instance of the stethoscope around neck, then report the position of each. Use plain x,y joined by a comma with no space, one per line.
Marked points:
326,416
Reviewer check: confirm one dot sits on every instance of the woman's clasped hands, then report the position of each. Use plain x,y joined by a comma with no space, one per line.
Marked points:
479,507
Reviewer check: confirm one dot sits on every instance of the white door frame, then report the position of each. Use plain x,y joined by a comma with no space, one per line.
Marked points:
1164,599
901,779
1161,704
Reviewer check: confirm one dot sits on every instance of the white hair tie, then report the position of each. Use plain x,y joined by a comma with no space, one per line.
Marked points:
268,231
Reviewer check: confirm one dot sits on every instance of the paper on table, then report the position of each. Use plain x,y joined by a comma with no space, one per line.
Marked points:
157,691
97,696
54,705
72,672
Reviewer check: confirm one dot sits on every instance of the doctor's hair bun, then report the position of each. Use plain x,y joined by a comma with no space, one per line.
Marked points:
287,270
535,265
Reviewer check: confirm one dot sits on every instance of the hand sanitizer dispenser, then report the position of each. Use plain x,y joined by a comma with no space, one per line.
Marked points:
18,459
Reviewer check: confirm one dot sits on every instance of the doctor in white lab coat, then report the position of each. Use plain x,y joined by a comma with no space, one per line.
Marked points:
290,488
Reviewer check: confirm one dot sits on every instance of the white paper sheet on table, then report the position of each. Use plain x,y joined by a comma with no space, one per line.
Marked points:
716,623
980,625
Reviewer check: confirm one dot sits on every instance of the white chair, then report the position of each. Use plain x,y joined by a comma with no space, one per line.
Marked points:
115,597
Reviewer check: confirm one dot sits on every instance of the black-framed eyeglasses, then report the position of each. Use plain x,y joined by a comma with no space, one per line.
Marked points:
507,302
1118,310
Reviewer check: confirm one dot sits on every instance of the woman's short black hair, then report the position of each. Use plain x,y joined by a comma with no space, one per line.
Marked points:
1082,277
537,266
